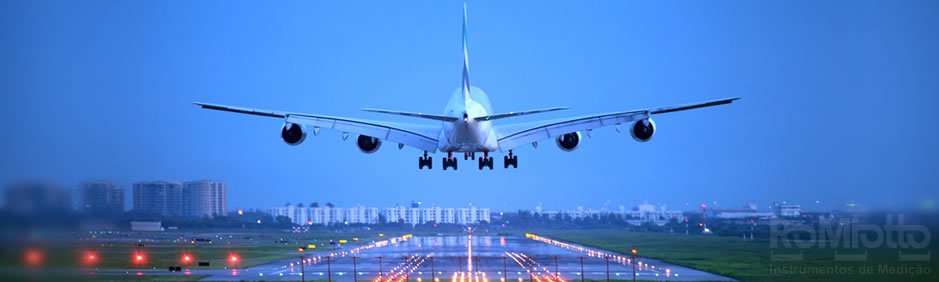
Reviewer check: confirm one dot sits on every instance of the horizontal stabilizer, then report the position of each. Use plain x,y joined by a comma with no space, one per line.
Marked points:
409,114
512,114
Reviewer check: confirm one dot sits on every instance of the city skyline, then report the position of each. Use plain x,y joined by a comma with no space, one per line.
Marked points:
79,202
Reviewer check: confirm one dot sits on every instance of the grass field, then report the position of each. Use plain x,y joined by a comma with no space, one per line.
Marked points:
143,278
751,260
162,249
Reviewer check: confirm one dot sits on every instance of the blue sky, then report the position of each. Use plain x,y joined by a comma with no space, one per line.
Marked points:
838,97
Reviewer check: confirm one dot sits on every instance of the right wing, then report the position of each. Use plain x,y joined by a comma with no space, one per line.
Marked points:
514,135
423,137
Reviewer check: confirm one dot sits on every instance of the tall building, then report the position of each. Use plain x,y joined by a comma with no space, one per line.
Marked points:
164,198
204,198
102,197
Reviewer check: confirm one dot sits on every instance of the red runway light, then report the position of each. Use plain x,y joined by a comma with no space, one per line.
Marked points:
90,258
33,257
233,259
186,258
139,258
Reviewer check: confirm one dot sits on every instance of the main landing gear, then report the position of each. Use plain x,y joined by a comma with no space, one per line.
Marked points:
485,161
426,160
450,161
510,160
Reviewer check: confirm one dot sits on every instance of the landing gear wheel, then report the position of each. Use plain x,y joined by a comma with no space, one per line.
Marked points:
510,160
485,162
449,162
425,161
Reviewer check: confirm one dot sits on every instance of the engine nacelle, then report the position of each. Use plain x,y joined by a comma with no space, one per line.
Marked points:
643,130
293,134
568,142
368,144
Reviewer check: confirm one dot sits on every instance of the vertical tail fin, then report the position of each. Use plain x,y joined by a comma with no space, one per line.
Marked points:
466,81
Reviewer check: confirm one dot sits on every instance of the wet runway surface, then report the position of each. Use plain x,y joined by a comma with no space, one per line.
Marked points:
467,259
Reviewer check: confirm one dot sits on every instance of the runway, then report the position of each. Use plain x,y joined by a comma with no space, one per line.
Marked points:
467,259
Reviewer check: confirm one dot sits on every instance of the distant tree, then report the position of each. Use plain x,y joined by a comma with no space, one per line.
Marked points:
283,221
330,205
314,205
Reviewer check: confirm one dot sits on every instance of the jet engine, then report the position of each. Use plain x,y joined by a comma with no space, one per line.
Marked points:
368,144
292,134
569,142
643,130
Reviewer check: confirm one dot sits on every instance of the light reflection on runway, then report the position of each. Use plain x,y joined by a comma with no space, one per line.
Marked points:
476,258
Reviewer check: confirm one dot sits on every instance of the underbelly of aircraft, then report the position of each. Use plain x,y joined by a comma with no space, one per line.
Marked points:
468,140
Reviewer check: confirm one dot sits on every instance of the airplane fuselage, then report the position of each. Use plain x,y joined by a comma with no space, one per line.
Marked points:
467,134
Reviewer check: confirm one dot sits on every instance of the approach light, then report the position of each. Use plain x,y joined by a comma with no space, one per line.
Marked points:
33,257
139,258
90,258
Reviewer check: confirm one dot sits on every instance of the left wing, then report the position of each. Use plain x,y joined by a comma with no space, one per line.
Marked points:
423,137
514,135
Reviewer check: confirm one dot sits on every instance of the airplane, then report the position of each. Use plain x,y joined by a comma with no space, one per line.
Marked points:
467,125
